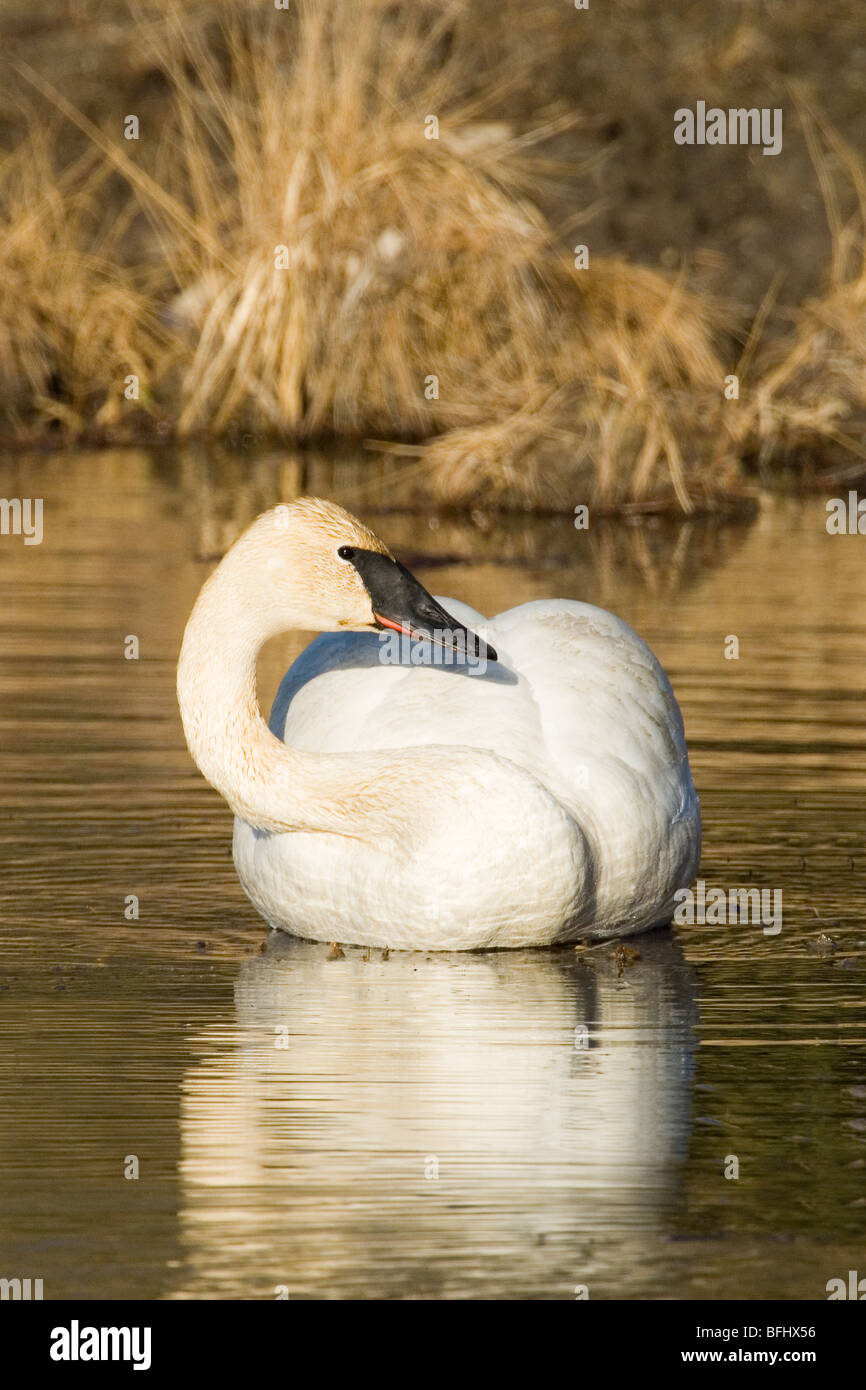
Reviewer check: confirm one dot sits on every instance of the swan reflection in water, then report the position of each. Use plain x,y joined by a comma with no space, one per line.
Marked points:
505,1124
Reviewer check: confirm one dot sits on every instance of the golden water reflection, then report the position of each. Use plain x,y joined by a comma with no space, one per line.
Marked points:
304,1166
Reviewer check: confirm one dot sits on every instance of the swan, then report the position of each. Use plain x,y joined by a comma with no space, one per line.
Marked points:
529,787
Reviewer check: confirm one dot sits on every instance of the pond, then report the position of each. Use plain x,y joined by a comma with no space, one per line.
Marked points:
191,1107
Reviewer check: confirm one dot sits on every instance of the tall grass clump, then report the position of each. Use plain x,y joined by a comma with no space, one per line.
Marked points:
404,258
809,400
625,404
73,325
339,271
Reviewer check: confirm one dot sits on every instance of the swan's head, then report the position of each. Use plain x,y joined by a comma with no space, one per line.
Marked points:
317,567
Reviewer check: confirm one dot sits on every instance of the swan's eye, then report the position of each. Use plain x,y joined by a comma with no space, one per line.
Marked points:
347,552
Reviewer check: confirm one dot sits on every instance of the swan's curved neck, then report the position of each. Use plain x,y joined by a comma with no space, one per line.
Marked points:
271,786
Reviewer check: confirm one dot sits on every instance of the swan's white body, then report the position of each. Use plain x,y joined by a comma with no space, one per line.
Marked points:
568,810
546,800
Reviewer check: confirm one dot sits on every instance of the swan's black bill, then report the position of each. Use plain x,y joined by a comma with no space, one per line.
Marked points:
401,603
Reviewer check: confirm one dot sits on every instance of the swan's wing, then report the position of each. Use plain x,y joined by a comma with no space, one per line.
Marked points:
612,740
576,692
345,692
599,690
329,693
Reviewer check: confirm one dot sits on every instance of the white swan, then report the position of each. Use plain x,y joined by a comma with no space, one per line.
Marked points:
543,799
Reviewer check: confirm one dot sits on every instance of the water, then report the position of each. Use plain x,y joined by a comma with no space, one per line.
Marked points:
503,1125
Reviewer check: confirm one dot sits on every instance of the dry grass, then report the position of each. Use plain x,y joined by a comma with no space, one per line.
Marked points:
629,369
405,257
72,325
810,395
408,261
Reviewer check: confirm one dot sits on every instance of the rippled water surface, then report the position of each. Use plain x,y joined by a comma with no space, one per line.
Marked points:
497,1125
